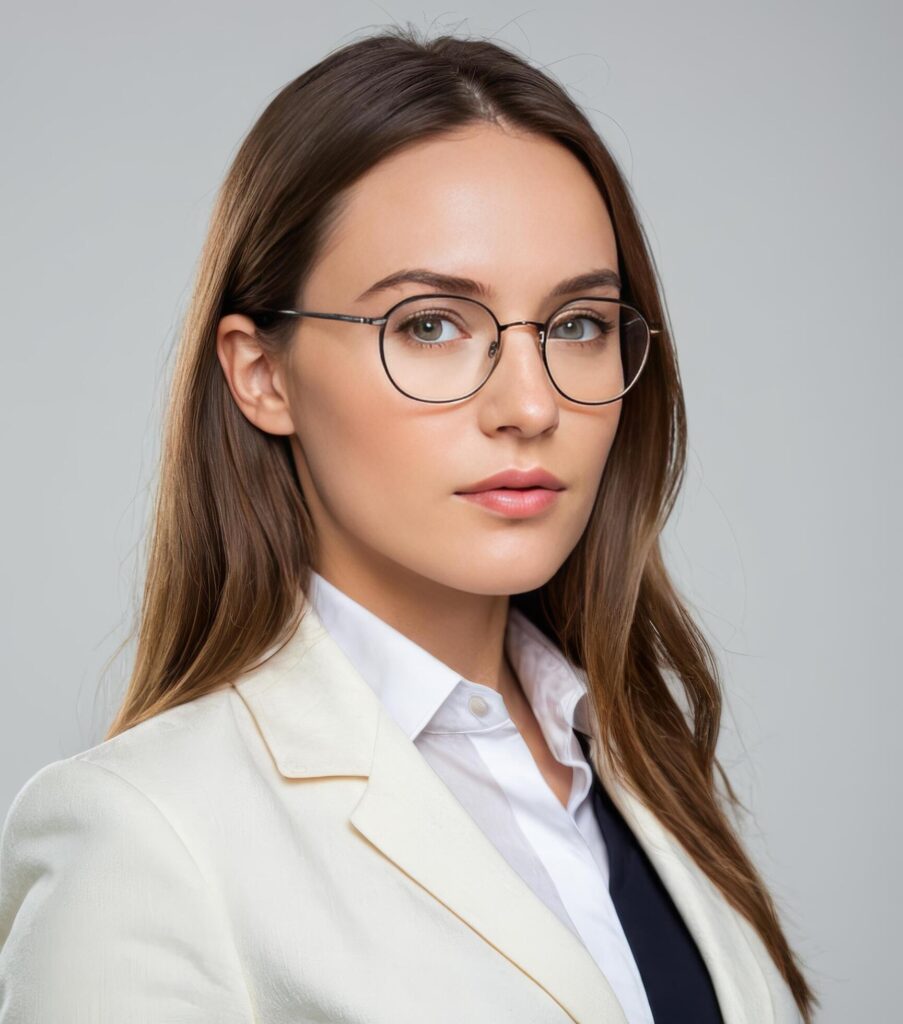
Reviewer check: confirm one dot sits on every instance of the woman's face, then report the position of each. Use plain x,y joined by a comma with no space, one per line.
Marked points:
381,471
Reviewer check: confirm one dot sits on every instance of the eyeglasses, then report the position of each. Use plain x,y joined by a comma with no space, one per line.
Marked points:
443,348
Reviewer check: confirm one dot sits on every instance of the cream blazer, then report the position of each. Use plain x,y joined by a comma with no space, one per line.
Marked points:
278,851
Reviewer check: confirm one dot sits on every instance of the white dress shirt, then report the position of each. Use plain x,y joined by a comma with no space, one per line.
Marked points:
466,735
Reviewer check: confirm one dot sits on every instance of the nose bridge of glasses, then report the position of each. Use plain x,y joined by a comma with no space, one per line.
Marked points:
537,338
538,324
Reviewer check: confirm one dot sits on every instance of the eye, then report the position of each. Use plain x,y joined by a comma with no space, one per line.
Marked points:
425,327
573,332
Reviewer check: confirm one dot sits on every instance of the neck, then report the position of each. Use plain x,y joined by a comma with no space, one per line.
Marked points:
464,631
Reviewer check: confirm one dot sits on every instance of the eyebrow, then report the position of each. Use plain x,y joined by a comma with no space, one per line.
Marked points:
601,278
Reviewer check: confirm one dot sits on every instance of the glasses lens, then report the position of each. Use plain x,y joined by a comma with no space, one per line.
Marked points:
438,348
596,348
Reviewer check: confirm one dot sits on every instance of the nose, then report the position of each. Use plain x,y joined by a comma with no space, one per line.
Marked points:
519,387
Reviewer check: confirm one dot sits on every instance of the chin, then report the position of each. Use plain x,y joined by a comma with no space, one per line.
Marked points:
495,577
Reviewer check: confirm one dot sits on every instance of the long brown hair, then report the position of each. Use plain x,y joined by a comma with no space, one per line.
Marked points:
232,538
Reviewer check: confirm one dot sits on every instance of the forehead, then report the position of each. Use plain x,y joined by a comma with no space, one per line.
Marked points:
517,211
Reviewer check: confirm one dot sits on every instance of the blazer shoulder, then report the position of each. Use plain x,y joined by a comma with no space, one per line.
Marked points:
77,798
181,751
197,723
158,774
91,866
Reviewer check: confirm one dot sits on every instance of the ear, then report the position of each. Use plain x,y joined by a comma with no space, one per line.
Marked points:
255,377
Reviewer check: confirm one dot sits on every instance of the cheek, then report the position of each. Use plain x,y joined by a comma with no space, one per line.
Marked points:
603,432
591,439
369,459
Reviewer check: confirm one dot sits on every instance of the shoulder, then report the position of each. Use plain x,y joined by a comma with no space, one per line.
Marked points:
194,729
78,836
120,775
92,863
70,811
132,784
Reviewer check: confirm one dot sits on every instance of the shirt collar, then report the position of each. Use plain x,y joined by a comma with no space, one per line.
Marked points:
413,684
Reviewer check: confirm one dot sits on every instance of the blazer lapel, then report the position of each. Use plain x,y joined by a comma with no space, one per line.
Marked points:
320,718
411,815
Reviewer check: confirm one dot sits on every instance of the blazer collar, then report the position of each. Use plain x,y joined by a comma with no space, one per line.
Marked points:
319,718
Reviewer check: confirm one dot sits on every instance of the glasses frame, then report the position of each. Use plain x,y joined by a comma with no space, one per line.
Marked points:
542,327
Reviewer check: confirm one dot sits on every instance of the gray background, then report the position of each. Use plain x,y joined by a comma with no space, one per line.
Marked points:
762,142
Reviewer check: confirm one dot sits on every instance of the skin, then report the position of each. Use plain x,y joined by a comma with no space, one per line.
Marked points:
379,470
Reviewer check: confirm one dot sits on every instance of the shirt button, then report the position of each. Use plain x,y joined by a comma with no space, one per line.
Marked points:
477,705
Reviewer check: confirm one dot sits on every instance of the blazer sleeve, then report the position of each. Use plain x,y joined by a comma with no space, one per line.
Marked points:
105,916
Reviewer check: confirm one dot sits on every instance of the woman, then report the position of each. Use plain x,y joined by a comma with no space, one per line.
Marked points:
399,744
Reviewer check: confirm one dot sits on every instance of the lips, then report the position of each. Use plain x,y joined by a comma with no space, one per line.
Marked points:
513,502
516,480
